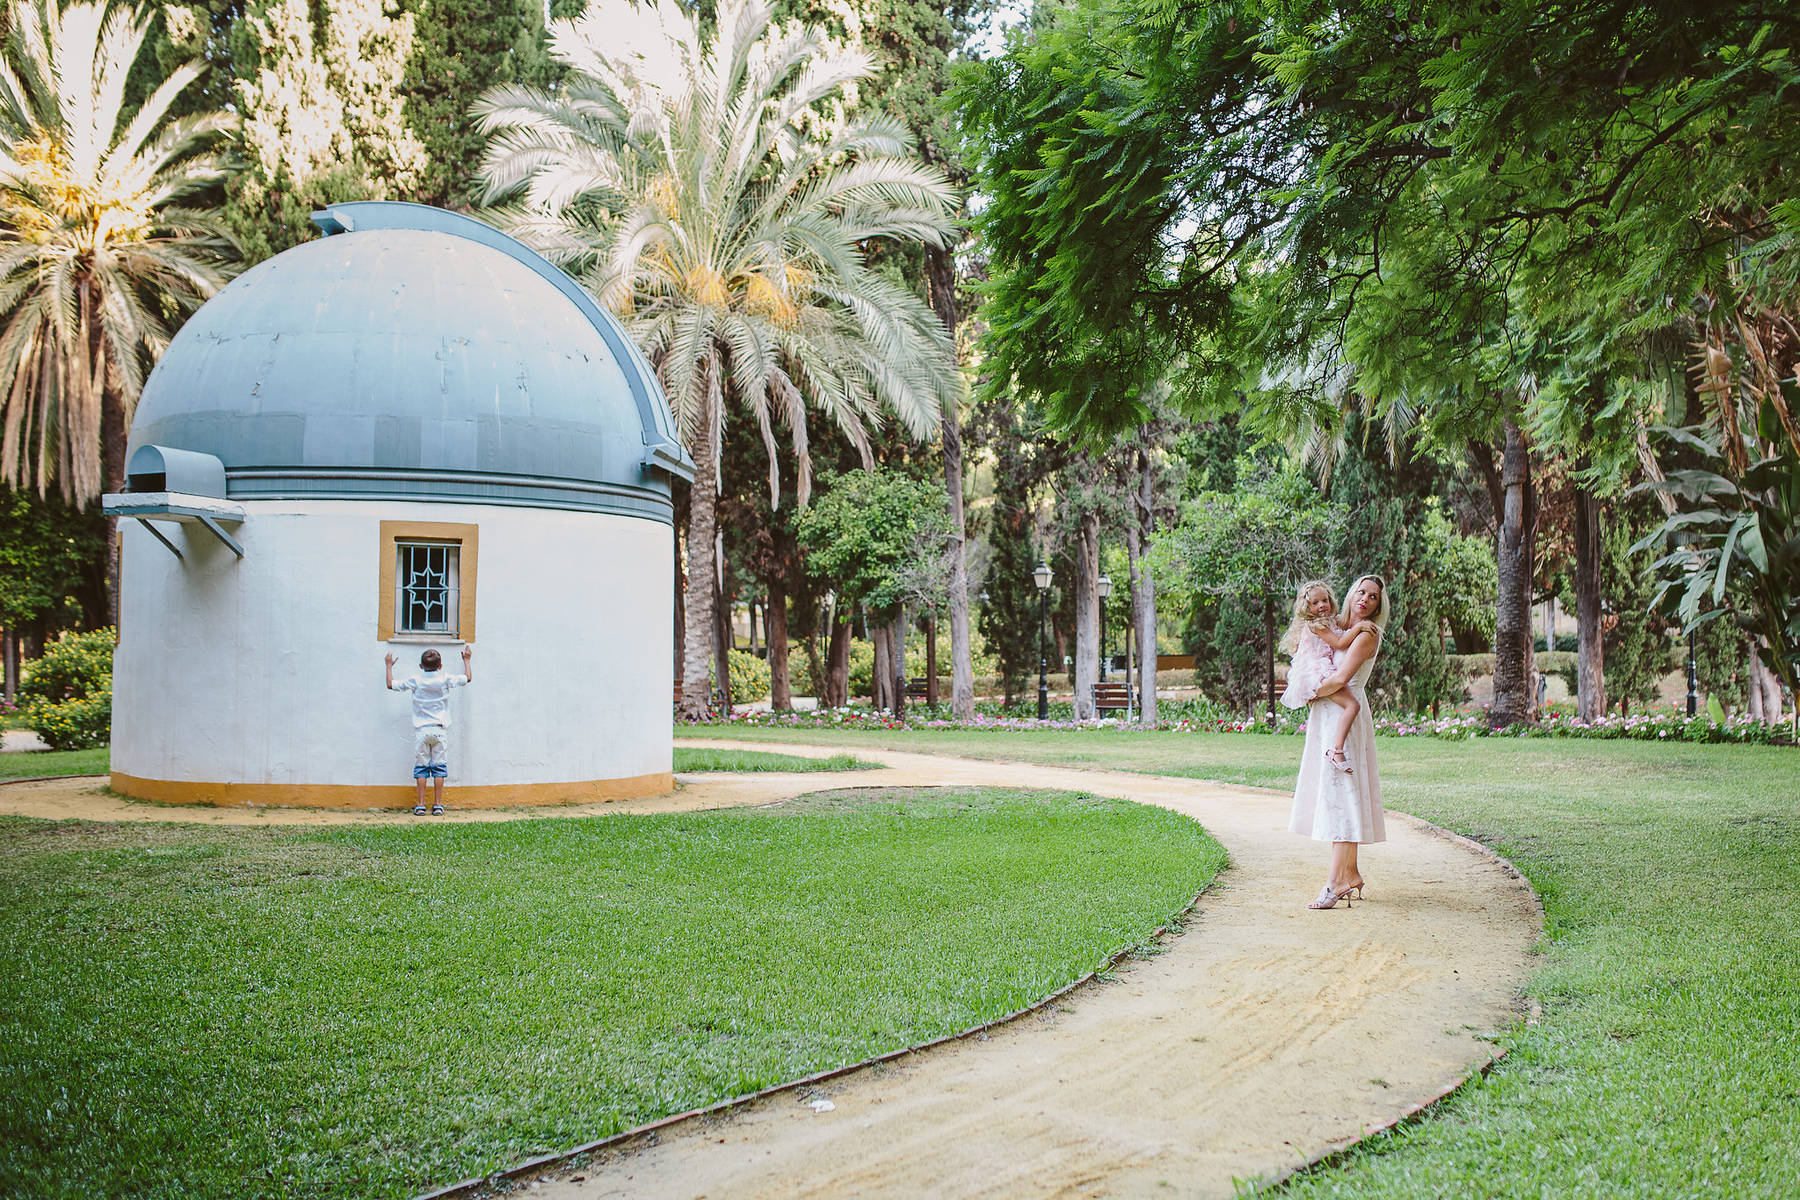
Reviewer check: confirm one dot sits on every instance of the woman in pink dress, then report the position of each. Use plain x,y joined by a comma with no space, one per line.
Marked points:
1344,808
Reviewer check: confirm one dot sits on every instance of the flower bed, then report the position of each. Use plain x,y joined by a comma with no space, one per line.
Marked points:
1203,717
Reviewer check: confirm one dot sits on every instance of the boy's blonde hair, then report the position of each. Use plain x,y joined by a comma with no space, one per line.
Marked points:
1290,641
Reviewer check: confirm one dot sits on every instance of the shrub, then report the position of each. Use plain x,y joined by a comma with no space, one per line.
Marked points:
68,691
74,724
862,667
749,677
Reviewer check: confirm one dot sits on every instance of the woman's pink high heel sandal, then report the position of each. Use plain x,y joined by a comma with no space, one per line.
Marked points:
1329,896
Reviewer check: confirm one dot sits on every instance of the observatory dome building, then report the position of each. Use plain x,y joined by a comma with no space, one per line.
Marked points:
411,433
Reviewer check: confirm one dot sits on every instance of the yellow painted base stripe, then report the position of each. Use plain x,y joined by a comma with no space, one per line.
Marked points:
332,795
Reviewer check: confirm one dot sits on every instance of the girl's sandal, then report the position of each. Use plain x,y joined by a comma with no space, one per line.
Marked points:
437,810
418,810
1341,762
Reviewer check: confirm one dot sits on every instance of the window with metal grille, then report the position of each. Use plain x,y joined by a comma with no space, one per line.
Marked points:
426,598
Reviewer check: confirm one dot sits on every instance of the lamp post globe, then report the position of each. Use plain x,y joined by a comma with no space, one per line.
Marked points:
1041,576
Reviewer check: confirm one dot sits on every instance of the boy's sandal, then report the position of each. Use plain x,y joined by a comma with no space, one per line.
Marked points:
418,810
437,810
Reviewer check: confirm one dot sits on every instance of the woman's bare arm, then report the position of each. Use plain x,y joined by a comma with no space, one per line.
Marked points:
1361,647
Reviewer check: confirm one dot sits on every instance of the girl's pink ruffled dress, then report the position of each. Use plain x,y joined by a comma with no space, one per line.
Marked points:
1313,661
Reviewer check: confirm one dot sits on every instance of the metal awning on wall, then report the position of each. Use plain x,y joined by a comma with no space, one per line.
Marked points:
179,486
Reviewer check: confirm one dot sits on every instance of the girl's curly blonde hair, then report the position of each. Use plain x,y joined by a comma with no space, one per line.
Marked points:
1290,641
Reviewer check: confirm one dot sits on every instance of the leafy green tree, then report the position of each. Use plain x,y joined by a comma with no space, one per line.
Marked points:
320,89
1089,507
100,255
878,537
1009,614
1435,202
50,554
1719,661
460,48
712,194
911,42
1395,527
1736,535
1252,548
1431,165
52,559
1637,647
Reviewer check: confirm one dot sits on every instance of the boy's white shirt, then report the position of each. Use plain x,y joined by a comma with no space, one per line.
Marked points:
430,696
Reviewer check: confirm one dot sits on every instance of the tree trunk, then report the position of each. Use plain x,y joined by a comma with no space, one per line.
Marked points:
1133,674
837,664
1753,685
1146,612
940,279
881,672
815,666
1087,615
1131,600
9,662
725,638
897,660
1590,656
931,683
1515,696
781,687
1146,639
115,429
113,432
1762,688
679,666
699,634
1136,578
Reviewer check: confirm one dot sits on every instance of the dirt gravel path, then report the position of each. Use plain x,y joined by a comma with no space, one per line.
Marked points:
1262,1037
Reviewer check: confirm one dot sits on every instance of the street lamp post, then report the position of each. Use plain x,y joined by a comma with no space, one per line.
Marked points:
1104,587
1042,577
1693,678
1693,673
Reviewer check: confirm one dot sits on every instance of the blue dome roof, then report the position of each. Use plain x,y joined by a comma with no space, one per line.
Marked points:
415,354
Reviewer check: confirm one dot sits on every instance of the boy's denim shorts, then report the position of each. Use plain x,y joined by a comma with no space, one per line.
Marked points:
432,745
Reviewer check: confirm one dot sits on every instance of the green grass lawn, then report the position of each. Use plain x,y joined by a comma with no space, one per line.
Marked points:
699,758
1667,1061
202,1012
28,764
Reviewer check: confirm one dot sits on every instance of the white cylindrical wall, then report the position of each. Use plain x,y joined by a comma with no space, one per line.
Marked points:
260,679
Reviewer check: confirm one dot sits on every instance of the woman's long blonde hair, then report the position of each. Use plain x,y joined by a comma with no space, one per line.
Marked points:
1290,641
1380,618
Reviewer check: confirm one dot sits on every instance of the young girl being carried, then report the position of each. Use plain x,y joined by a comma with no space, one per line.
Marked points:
1313,639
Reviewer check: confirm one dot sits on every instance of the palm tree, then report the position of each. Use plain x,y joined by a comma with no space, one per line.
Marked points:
714,196
96,256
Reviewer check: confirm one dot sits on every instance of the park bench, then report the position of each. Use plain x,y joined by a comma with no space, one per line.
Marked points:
1111,697
918,688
